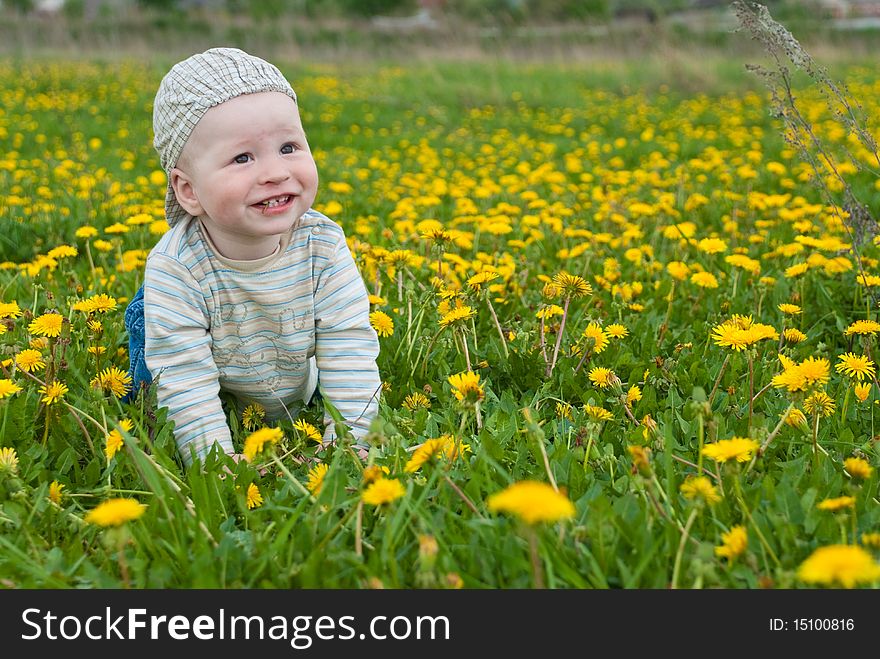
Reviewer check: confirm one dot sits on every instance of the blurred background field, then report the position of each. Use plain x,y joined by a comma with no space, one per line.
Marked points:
446,29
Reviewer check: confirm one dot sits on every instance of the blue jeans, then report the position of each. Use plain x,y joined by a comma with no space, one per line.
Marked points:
134,324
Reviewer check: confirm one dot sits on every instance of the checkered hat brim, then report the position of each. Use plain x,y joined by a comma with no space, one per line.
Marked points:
194,86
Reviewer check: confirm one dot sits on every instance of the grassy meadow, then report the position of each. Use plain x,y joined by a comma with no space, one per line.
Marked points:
624,342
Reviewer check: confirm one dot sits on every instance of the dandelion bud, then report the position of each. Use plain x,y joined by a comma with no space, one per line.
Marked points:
641,459
428,549
550,292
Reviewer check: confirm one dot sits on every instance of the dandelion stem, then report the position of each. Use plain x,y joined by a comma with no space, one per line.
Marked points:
544,344
320,546
467,356
123,567
770,437
697,467
293,480
761,392
359,529
718,379
428,351
535,431
537,572
587,354
559,336
498,326
741,500
751,390
462,496
681,544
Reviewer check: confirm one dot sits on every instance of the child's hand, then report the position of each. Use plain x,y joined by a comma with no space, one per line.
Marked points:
363,453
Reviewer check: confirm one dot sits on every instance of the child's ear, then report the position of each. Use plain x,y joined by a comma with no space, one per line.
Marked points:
185,193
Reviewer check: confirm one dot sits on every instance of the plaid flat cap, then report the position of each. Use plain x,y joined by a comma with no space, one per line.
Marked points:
194,86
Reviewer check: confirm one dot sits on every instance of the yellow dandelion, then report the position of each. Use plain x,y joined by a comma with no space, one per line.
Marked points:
316,478
863,327
563,410
55,493
112,380
115,512
796,270
428,450
484,277
30,360
733,543
49,324
634,395
838,503
457,316
678,269
114,440
572,285
86,232
819,403
596,338
9,310
846,565
374,472
8,388
383,490
857,367
253,499
789,309
793,335
616,331
256,441
62,251
704,280
598,413
712,245
466,386
382,323
740,449
700,487
252,416
858,468
307,429
416,401
549,311
532,502
602,377
862,390
53,393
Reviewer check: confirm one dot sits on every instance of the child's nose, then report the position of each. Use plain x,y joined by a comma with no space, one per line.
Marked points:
275,171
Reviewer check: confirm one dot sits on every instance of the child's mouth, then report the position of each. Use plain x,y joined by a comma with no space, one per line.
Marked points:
275,204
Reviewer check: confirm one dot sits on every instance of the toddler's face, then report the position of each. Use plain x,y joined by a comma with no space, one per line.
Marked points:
247,171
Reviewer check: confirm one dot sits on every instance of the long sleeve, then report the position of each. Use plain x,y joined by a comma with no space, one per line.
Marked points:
178,355
346,345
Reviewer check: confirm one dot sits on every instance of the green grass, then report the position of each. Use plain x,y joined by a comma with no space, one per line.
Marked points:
587,164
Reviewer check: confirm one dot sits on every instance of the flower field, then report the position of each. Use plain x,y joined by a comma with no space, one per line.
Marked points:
624,342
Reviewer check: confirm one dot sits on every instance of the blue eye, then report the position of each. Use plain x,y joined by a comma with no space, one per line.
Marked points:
241,158
288,149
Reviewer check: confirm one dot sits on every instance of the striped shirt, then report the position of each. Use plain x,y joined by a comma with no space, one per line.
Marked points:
266,331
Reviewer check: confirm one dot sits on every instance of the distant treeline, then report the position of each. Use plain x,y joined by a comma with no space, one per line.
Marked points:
513,11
